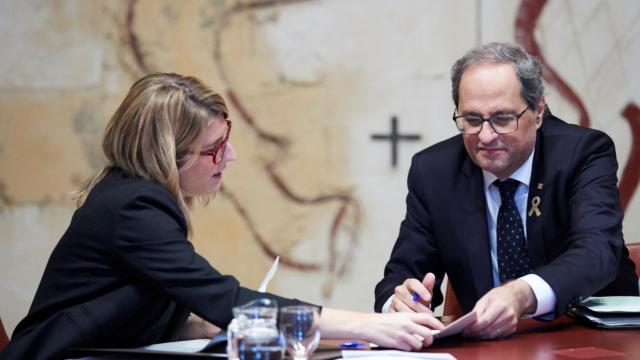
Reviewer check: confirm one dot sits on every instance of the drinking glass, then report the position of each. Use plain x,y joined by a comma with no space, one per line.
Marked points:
299,326
253,333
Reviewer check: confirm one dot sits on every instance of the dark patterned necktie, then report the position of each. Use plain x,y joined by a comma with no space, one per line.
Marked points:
513,260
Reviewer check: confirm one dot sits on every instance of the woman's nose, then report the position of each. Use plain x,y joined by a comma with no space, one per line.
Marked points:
229,153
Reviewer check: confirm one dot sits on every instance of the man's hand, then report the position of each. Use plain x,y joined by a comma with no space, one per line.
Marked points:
500,309
198,328
403,299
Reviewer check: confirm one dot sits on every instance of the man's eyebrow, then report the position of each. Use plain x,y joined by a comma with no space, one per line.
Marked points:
493,113
472,113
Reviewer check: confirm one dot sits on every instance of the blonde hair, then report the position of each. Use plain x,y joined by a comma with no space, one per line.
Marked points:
161,119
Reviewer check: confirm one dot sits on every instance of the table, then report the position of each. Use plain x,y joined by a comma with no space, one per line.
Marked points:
563,338
548,340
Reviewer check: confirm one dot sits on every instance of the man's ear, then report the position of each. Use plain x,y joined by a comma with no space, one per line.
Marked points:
540,112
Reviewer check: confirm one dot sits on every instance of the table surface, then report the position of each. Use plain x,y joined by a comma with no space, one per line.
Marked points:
563,338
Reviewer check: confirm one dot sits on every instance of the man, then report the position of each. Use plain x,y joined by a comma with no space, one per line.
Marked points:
521,210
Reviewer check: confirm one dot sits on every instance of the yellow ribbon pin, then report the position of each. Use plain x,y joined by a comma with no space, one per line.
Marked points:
534,207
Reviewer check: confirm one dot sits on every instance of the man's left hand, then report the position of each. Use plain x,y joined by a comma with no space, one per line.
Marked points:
499,310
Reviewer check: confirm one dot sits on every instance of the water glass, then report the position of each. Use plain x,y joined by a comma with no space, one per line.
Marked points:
261,344
299,326
253,333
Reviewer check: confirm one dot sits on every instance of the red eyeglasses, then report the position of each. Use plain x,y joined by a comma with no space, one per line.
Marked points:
217,153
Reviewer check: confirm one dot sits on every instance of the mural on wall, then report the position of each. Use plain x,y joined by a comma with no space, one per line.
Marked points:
344,220
347,216
526,22
319,91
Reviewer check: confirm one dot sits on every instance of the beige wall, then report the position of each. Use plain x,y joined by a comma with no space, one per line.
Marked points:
322,74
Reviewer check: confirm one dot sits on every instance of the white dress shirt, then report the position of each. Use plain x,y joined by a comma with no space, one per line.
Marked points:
545,296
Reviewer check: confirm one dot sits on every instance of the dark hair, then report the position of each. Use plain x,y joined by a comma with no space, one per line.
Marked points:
526,67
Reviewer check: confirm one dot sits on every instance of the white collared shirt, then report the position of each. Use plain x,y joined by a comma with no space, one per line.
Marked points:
545,296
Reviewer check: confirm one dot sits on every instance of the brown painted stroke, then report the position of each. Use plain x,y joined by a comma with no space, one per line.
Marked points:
527,17
264,245
132,38
348,215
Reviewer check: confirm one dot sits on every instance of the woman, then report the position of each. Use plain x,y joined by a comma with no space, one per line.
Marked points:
124,273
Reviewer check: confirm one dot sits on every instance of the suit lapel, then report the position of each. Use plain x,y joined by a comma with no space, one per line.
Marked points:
476,238
535,207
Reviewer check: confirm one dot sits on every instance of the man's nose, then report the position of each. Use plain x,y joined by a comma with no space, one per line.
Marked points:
487,134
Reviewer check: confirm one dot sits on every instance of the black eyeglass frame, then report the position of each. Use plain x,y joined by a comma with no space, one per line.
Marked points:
489,120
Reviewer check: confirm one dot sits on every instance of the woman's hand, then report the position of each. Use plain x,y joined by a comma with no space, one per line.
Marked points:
198,328
404,331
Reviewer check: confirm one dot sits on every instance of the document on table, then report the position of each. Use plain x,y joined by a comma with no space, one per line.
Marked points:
608,311
455,327
215,344
393,354
198,347
612,304
185,346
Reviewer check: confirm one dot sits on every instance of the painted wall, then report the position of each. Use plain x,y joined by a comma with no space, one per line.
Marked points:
309,83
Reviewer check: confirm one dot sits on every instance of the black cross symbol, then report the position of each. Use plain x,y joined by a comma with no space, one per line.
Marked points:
394,137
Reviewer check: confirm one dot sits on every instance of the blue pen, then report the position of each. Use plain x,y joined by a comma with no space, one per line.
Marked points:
351,345
416,297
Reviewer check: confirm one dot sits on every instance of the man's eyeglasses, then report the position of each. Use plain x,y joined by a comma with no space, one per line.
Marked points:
500,123
217,153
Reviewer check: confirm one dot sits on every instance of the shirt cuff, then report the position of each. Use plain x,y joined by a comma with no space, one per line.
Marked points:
545,296
387,305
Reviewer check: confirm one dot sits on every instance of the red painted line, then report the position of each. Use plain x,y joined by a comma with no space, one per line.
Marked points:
526,21
264,245
133,43
349,206
631,173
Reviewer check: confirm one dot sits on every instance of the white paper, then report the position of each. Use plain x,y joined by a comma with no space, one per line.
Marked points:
393,354
186,346
455,327
269,276
615,304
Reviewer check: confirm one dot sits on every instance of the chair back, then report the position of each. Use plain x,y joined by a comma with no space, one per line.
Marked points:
634,254
451,306
4,339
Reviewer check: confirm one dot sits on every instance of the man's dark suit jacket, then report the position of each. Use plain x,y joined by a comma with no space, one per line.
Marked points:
124,275
575,245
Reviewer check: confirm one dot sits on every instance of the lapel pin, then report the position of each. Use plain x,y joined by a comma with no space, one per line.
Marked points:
535,202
